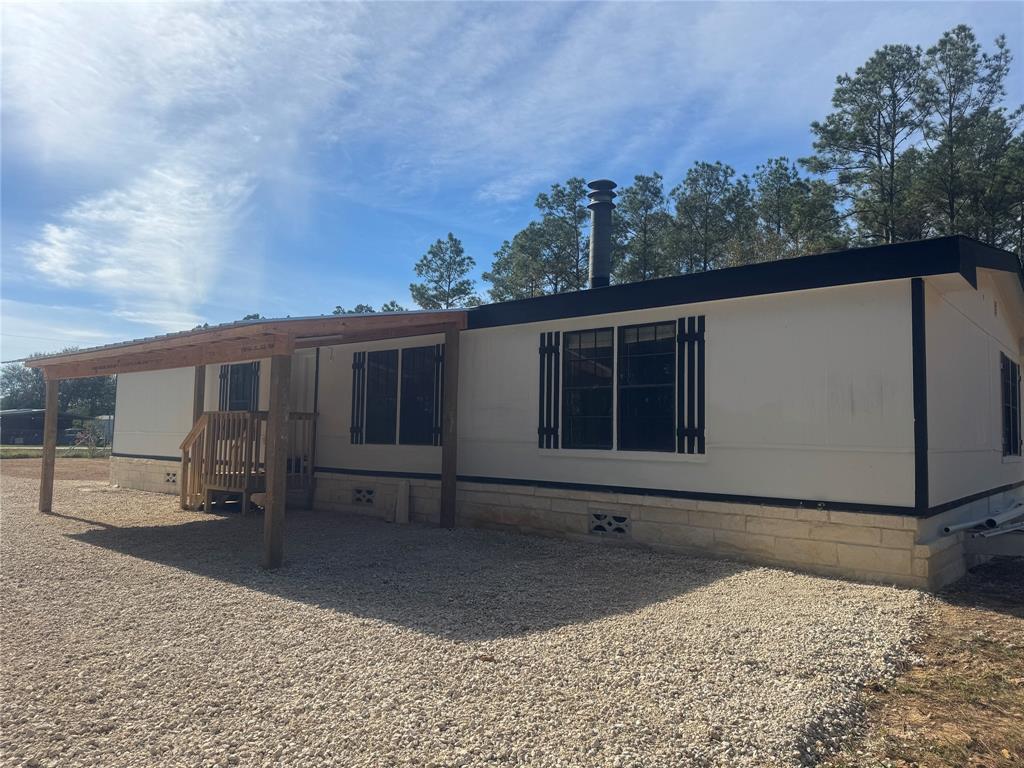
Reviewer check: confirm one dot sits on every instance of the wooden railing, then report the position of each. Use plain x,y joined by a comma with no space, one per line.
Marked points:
225,451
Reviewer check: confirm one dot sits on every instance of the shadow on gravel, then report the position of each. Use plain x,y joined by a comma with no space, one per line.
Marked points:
464,584
997,585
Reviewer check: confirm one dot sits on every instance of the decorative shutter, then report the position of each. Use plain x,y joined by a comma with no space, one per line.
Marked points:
358,397
438,392
690,403
222,398
550,391
1017,407
255,379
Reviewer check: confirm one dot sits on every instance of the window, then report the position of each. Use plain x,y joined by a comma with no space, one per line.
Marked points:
421,396
381,396
587,389
239,387
1010,376
647,387
658,370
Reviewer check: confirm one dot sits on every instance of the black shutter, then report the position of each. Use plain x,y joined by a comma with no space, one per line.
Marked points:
438,391
358,395
690,393
550,392
255,401
222,398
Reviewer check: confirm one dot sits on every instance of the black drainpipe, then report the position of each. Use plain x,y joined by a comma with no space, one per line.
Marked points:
601,205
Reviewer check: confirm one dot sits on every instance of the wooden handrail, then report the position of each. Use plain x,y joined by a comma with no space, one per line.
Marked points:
193,434
226,450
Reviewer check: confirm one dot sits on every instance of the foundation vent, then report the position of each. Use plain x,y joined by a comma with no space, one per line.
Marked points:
605,523
171,477
364,496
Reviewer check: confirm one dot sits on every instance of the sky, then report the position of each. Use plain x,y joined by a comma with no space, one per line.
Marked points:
169,165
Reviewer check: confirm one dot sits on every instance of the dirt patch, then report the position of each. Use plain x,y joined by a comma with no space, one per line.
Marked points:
962,704
64,469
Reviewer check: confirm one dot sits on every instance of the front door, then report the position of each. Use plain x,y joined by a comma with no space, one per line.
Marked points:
240,387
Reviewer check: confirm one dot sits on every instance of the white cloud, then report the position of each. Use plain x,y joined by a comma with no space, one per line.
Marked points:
185,119
182,111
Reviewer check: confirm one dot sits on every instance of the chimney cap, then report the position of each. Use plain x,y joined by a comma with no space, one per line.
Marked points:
602,185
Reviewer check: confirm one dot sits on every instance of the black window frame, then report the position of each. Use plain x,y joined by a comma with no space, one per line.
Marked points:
1010,405
380,425
575,392
635,432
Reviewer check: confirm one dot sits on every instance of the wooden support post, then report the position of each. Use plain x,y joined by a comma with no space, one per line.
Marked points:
277,457
49,445
199,393
450,428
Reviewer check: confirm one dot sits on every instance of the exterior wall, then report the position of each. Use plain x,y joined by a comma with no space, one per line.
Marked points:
809,396
966,330
866,547
333,444
153,412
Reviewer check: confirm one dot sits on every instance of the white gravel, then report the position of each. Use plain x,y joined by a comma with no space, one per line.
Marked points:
135,634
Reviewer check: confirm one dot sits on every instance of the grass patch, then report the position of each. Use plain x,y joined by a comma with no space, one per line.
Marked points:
963,703
63,452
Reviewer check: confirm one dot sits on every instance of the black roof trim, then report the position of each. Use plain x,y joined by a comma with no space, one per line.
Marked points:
937,256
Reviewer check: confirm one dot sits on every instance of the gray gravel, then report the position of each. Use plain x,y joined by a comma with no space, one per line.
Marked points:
136,634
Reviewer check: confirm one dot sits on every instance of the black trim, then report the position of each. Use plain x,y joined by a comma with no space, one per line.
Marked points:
378,473
938,256
948,505
768,501
920,373
119,455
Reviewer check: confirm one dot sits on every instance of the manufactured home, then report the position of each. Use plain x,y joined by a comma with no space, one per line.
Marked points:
830,413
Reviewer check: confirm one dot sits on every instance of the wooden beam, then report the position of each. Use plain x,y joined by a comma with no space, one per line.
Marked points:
198,393
233,351
308,342
277,456
49,445
296,327
450,428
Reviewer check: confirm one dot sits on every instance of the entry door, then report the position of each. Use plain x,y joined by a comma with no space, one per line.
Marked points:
240,387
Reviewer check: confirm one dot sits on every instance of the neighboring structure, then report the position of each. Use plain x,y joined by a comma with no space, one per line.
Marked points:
24,426
828,413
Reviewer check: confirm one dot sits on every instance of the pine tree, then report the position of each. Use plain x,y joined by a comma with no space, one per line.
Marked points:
960,92
444,269
643,224
862,142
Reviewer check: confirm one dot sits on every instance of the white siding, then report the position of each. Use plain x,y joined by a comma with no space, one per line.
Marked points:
966,331
153,412
809,396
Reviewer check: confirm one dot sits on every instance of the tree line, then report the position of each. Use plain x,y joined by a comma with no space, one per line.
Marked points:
919,143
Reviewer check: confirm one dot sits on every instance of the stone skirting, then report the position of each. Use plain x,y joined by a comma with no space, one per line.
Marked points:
889,549
156,475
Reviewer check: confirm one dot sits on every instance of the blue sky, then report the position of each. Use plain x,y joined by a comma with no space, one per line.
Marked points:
166,165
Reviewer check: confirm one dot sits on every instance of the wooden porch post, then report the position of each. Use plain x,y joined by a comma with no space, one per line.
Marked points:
199,393
450,430
49,444
277,454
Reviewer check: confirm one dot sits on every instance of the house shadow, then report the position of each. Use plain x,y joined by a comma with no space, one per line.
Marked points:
462,584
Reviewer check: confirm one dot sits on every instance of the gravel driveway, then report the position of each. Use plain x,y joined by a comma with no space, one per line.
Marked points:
136,634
